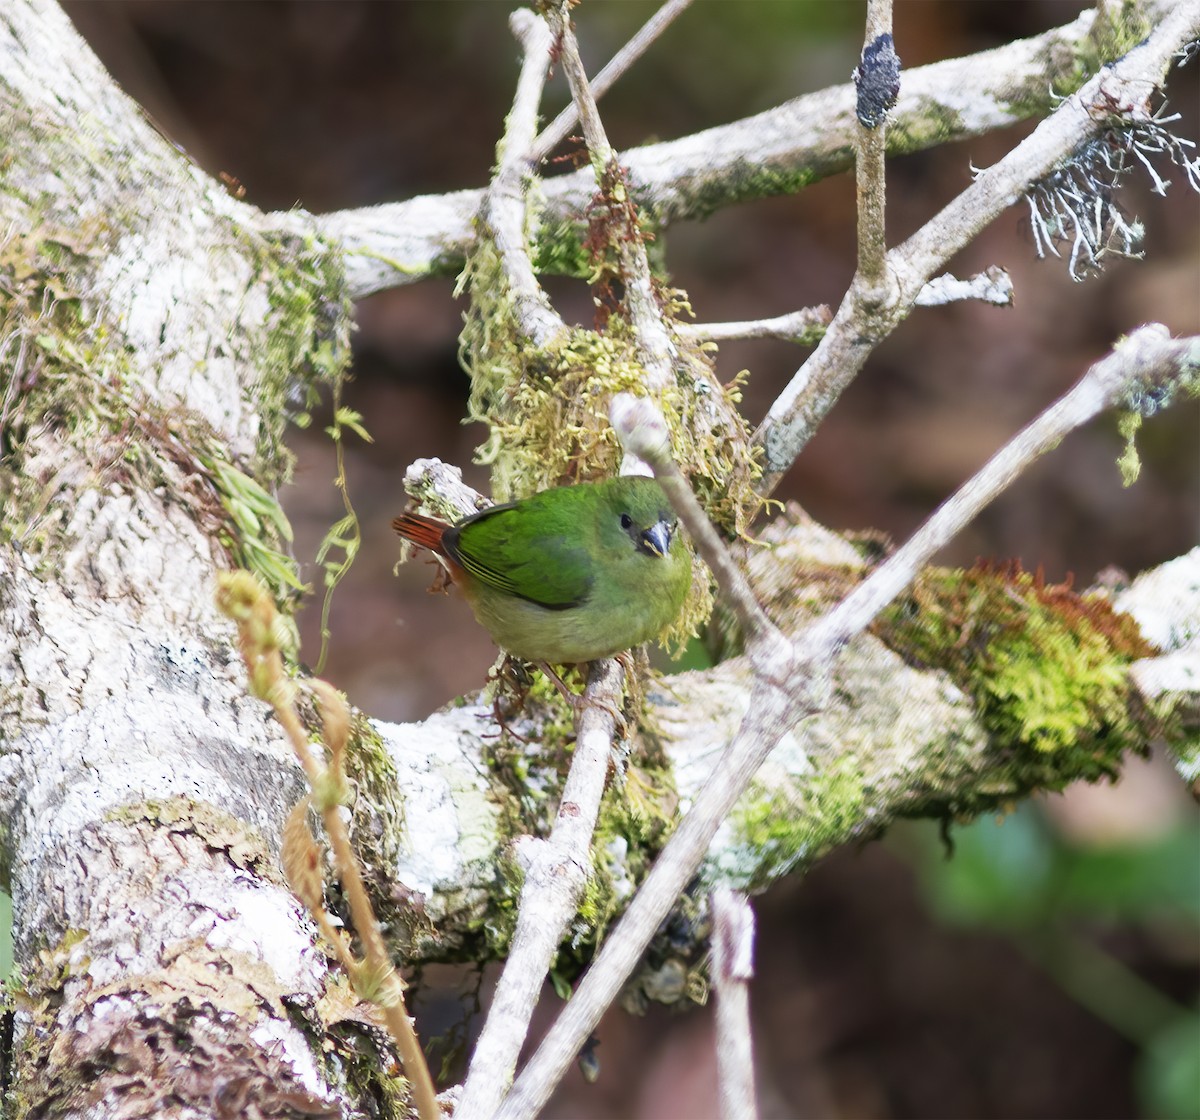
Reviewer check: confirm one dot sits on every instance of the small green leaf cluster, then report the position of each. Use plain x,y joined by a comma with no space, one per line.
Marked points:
256,534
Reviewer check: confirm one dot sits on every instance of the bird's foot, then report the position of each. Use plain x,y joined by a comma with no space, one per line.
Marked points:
580,701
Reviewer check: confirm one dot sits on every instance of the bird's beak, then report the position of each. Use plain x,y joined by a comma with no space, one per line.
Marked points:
657,538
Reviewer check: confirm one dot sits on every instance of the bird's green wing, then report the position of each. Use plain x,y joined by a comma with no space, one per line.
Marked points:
532,550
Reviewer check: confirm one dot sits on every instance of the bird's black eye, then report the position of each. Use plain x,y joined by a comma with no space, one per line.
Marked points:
626,521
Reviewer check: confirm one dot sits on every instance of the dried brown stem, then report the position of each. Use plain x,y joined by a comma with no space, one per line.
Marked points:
249,604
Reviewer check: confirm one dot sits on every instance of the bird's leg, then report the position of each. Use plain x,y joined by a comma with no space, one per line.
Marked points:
512,682
580,701
572,698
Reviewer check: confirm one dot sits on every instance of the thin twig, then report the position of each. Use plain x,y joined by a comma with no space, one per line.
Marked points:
876,81
772,710
993,286
439,487
732,970
796,681
556,870
643,432
556,873
1148,354
559,128
810,137
503,209
803,326
656,350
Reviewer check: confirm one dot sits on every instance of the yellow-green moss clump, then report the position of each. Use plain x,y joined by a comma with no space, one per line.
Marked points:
68,384
1045,666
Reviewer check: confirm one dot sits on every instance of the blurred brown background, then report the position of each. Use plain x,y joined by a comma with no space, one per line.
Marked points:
870,1007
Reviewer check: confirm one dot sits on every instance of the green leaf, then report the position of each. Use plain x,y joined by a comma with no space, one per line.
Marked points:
348,418
562,988
1168,1071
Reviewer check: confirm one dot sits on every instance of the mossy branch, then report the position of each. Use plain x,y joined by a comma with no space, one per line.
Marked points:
776,152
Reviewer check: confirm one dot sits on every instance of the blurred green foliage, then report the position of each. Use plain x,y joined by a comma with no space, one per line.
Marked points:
1020,877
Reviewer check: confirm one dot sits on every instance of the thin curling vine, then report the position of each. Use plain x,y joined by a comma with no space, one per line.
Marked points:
261,635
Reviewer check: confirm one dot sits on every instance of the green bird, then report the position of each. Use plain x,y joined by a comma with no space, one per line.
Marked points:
567,575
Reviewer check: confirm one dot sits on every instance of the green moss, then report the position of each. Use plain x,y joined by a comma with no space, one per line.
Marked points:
1147,397
37,993
777,833
351,1053
528,764
917,131
1115,32
70,381
546,406
494,929
547,416
1129,463
1186,748
1045,666
377,812
306,344
743,181
1178,725
78,385
637,814
307,341
558,250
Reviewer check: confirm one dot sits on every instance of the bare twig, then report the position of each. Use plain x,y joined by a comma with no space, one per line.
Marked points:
1148,355
876,83
861,322
792,679
773,708
993,286
440,488
811,136
643,432
803,326
732,970
559,128
503,209
556,873
556,870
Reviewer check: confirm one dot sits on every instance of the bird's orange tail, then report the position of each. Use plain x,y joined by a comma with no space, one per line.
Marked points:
421,530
